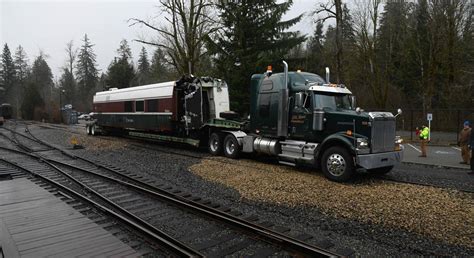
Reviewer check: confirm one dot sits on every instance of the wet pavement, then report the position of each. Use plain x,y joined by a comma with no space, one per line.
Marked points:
445,156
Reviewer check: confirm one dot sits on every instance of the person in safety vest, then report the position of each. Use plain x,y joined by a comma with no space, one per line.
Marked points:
424,135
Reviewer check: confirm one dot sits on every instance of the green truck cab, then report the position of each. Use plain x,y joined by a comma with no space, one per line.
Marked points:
301,118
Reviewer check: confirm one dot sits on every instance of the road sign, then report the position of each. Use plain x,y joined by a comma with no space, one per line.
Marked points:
429,117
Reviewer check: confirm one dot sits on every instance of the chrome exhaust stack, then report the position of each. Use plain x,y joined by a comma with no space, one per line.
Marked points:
282,128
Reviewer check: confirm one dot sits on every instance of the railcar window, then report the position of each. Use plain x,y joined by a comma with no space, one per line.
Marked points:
152,105
128,106
139,106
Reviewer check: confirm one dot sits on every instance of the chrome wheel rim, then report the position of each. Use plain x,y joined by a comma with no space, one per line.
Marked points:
93,130
230,147
214,144
336,164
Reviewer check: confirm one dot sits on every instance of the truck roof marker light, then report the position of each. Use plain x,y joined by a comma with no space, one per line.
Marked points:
269,70
349,132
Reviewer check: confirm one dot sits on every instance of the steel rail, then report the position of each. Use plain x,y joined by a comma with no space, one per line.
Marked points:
270,235
136,222
275,237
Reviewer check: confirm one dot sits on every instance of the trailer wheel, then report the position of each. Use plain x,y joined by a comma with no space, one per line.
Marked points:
88,129
337,164
231,147
215,144
380,171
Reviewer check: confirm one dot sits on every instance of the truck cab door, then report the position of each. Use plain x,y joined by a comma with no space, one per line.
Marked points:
301,115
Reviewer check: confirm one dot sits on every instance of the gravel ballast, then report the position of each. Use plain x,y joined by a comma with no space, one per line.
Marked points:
438,213
365,235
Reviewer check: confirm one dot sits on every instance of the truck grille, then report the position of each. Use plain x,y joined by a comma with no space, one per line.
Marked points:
383,134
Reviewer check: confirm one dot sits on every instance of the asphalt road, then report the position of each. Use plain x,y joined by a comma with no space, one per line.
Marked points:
446,156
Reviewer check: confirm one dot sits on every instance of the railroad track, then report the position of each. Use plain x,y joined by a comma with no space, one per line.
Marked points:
193,223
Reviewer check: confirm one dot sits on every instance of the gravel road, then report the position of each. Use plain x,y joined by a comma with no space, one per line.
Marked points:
367,238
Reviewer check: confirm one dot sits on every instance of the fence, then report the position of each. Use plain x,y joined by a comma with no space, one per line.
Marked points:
445,125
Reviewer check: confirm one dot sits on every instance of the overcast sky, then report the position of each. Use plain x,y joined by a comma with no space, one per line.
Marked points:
48,25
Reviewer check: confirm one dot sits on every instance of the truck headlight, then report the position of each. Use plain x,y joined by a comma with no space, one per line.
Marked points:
398,140
362,143
398,143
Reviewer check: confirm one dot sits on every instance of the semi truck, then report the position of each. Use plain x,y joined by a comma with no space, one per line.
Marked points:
297,117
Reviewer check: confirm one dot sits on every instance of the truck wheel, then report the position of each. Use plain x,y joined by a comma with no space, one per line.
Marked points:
215,144
231,147
88,129
380,171
93,131
337,164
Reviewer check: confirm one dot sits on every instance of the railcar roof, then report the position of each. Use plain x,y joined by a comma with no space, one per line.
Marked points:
151,91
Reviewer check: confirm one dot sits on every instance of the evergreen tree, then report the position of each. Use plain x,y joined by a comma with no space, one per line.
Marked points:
124,50
42,77
22,71
143,73
314,51
120,74
254,33
86,73
394,44
21,65
67,83
39,91
159,72
121,71
33,103
8,75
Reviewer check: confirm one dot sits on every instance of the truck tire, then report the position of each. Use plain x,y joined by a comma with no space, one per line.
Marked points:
93,130
337,164
215,144
380,171
231,147
88,129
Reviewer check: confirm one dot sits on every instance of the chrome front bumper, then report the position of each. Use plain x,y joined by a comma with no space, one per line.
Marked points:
378,160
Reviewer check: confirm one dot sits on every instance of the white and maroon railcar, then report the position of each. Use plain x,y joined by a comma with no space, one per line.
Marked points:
175,107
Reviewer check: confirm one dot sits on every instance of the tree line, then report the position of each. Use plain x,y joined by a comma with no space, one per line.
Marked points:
416,54
32,91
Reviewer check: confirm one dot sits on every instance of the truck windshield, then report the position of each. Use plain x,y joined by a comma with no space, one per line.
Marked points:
332,101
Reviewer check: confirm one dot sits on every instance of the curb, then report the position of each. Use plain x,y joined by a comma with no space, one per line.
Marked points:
436,165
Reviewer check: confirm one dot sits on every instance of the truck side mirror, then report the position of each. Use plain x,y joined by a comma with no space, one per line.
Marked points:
299,99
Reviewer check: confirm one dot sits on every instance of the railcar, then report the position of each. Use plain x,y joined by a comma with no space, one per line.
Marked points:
6,111
174,110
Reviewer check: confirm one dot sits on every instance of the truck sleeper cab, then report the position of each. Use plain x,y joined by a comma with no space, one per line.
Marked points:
322,127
